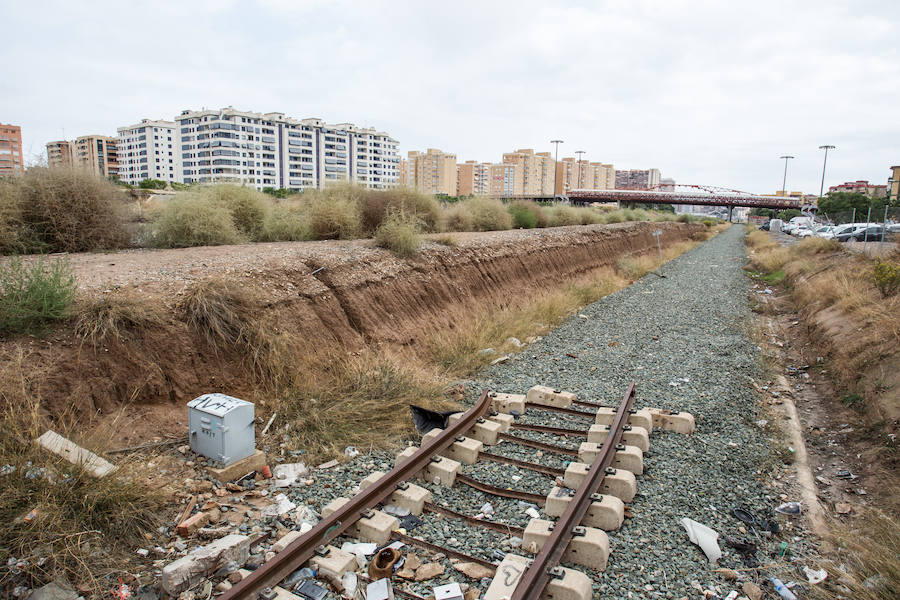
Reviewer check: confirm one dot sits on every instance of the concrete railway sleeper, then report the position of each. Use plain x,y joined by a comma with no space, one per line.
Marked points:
587,499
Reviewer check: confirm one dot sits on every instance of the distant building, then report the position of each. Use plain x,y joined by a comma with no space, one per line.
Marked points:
96,154
574,174
432,172
148,150
895,184
505,179
535,171
11,159
637,179
860,187
667,184
272,150
472,178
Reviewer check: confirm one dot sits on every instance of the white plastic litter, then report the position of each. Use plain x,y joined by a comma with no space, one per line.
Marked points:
351,452
703,536
814,576
350,583
365,548
533,513
287,474
281,506
487,509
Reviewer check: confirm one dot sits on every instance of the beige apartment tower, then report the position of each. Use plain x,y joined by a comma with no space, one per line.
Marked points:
432,172
472,178
574,174
11,159
96,154
535,172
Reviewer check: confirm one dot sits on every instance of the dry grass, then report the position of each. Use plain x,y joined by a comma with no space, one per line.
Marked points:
85,528
399,232
120,316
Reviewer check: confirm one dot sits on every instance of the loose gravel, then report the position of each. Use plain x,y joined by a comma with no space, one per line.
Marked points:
683,339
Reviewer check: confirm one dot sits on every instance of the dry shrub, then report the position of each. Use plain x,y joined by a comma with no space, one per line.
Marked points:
635,267
768,259
456,217
286,223
34,294
760,240
399,232
250,209
192,219
816,245
119,316
85,528
374,206
332,217
61,210
488,214
446,239
562,215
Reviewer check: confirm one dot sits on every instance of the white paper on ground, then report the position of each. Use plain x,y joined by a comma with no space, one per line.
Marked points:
703,536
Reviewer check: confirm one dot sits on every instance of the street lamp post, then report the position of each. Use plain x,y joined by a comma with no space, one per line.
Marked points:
555,164
784,182
580,153
825,162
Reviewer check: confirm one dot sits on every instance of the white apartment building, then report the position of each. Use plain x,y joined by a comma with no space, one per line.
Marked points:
149,150
271,150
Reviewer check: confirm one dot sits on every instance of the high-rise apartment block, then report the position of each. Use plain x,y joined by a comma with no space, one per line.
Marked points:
535,171
11,159
893,185
637,179
96,154
505,179
574,174
149,150
432,172
472,178
271,150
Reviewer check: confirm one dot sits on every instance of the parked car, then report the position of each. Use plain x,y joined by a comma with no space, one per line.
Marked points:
788,228
825,231
764,227
847,228
872,233
803,231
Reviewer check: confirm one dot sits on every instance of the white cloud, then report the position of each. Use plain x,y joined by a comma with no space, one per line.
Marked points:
709,92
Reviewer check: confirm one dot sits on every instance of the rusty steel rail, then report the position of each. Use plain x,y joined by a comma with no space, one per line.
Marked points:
536,444
330,527
532,583
536,467
492,525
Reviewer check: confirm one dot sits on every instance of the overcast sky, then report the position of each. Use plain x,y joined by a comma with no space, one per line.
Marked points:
708,92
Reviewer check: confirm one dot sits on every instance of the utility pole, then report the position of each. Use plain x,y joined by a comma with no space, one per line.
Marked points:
826,148
784,182
580,153
555,164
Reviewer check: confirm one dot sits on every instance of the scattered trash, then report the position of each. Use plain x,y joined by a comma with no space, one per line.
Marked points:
281,506
450,591
515,541
533,513
364,548
845,474
762,423
266,472
30,516
704,537
500,360
487,509
288,474
380,590
382,564
425,419
744,515
312,591
351,452
121,592
814,576
731,595
350,582
269,424
784,549
7,469
397,511
514,342
410,522
297,576
486,351
789,508
516,478
782,589
328,465
526,505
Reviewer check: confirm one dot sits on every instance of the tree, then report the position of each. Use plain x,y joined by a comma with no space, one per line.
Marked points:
787,215
838,202
277,193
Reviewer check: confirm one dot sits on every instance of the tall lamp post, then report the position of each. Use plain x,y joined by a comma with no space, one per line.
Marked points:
555,164
578,164
784,182
826,148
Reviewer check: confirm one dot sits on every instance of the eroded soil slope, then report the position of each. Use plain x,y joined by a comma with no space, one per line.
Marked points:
339,294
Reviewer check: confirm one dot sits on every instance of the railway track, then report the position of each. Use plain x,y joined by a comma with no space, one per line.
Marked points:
588,497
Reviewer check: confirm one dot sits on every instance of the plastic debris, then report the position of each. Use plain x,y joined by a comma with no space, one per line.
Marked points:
487,509
814,576
281,506
789,508
351,452
704,537
397,511
311,590
350,582
782,589
533,513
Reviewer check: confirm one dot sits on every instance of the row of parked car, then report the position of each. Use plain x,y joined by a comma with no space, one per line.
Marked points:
849,232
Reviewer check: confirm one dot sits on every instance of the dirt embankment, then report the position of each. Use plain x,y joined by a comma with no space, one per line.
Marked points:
343,294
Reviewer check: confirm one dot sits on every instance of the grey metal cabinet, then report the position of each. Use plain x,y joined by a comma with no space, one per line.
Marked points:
221,427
